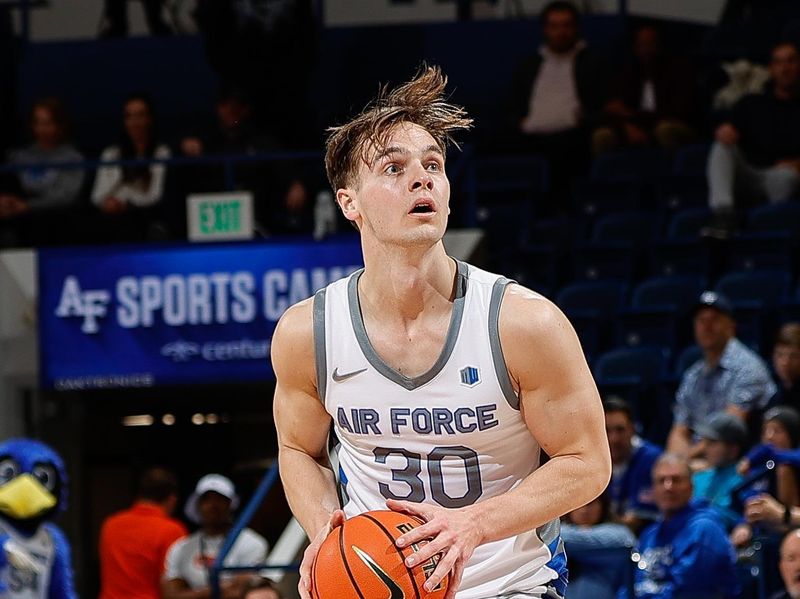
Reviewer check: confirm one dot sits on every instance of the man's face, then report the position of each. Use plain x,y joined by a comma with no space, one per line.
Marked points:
647,45
620,433
720,454
560,31
775,434
786,360
713,329
402,196
789,564
785,67
232,113
215,509
672,487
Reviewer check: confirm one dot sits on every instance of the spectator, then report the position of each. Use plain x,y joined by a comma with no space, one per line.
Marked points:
729,377
631,489
652,99
789,566
134,542
724,436
120,189
116,16
556,95
281,198
43,188
786,363
599,551
189,560
756,155
686,552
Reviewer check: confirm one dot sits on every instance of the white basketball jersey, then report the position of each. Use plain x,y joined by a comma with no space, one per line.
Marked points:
41,549
453,436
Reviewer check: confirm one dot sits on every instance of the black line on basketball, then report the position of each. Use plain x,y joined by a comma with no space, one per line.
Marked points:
346,564
400,551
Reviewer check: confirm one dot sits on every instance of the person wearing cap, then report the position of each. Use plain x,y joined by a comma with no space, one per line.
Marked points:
725,437
190,559
786,364
729,377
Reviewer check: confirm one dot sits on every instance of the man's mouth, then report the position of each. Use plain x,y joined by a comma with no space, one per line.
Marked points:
423,207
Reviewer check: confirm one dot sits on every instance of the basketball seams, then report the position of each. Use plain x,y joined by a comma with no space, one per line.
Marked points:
343,554
380,525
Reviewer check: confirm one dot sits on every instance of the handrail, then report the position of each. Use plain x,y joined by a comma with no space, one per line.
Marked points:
241,522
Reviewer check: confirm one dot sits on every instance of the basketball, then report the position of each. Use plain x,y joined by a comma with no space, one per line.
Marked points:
359,560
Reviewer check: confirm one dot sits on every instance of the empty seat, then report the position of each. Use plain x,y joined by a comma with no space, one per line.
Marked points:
687,224
763,289
678,292
639,366
784,216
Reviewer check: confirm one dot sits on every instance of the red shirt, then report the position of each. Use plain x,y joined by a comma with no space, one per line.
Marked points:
133,546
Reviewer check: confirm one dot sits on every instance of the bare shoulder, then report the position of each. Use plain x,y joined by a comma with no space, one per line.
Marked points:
538,341
293,343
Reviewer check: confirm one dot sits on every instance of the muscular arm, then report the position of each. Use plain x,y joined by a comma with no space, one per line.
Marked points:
302,422
562,410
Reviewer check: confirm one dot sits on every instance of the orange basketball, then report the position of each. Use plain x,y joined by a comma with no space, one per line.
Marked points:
359,560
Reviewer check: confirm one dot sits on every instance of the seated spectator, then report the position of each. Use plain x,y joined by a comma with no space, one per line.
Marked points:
631,489
211,507
769,501
756,155
260,588
789,566
786,363
724,436
729,377
557,93
599,551
42,188
686,552
121,189
134,542
282,204
652,99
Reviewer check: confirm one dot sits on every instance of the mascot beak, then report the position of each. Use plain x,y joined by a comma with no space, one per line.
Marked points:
24,498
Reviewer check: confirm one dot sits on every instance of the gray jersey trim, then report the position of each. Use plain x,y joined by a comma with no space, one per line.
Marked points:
320,357
375,360
494,342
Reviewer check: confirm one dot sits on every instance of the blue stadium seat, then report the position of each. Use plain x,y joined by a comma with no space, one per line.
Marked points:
775,217
648,326
638,366
600,299
596,261
692,160
678,292
636,228
688,356
759,251
687,224
634,165
523,176
762,289
679,257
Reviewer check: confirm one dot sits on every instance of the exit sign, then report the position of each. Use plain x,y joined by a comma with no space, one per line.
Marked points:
220,216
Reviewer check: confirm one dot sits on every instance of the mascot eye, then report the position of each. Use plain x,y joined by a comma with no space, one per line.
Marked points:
46,475
8,469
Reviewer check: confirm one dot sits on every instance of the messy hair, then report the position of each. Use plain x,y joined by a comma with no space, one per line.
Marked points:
420,101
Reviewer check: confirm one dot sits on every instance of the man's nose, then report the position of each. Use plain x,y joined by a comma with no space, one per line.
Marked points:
421,179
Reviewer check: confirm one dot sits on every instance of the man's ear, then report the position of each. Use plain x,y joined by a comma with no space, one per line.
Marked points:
347,202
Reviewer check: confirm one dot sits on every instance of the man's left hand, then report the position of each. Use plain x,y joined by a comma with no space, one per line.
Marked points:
453,533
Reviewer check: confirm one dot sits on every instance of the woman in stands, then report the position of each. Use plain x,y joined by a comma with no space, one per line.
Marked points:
120,189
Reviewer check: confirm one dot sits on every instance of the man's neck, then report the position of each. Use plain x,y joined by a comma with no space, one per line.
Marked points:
713,356
215,530
404,282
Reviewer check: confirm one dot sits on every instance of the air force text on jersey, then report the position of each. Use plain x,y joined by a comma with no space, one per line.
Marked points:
176,300
422,420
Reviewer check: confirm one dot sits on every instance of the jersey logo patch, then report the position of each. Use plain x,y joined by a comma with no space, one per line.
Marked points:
470,376
345,375
394,589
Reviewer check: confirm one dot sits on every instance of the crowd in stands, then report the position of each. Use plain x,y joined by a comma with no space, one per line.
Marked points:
147,553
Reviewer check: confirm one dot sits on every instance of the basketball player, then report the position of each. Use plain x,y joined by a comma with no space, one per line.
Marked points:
442,381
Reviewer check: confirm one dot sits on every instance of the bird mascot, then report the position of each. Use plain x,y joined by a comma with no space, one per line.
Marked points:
35,560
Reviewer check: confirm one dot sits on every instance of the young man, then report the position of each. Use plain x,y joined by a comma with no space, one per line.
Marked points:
442,381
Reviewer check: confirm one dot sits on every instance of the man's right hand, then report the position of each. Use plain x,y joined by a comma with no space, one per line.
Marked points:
727,134
310,554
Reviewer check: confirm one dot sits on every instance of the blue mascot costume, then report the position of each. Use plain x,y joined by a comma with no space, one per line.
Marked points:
35,560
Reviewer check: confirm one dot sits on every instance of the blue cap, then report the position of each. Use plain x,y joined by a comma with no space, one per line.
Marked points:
717,301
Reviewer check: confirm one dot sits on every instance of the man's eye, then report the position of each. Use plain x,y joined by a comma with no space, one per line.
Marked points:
434,166
392,169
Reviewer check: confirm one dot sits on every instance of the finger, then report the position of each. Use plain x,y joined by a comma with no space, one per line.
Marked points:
427,551
337,518
455,580
423,532
408,507
303,588
445,565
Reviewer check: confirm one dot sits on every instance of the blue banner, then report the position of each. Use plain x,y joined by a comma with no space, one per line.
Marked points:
138,316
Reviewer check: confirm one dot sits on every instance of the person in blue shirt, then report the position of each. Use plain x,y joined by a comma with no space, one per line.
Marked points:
686,552
630,491
729,377
724,436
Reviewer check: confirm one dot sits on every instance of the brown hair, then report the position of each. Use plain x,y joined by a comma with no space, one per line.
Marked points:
419,101
58,112
789,334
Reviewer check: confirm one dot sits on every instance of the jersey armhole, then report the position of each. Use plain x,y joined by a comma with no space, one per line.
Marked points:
500,368
320,356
